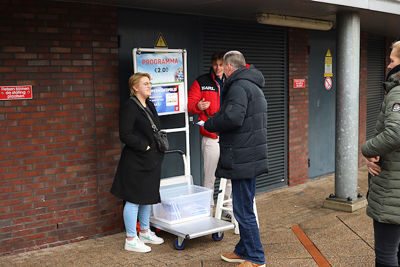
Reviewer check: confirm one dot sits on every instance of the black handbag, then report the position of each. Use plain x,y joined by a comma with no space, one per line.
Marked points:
161,139
159,135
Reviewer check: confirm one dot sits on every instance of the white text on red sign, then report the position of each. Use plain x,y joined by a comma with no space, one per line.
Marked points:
299,83
16,92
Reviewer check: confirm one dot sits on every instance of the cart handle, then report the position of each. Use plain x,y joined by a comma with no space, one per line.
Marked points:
185,165
174,151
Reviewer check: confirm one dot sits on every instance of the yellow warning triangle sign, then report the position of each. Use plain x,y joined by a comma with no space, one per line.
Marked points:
328,53
161,43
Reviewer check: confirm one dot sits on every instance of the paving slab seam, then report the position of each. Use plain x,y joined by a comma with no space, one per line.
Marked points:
365,241
310,247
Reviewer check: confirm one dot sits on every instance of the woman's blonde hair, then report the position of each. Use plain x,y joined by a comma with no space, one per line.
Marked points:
135,79
397,46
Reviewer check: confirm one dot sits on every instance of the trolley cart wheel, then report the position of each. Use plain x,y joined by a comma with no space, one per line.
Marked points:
179,246
218,236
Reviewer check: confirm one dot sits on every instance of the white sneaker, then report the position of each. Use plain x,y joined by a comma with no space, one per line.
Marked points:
226,215
136,245
150,237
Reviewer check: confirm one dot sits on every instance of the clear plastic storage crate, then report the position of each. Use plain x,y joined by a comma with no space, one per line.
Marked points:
182,203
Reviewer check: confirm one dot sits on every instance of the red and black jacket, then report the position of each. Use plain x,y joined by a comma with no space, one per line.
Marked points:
205,87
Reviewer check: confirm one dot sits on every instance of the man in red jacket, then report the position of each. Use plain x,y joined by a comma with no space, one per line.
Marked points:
204,99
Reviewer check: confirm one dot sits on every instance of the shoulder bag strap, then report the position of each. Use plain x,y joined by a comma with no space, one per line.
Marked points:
155,129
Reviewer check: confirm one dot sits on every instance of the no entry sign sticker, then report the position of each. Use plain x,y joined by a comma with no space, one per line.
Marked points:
328,83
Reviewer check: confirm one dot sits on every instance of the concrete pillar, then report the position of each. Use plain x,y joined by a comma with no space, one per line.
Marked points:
347,108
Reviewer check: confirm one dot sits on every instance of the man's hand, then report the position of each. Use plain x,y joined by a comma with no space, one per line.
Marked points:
202,105
373,168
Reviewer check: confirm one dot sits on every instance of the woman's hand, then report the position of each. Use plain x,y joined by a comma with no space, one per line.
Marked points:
373,168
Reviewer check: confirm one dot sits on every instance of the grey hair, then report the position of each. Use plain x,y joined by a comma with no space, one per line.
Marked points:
235,59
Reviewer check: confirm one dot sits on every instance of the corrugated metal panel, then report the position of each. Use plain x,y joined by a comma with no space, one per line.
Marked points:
375,77
266,48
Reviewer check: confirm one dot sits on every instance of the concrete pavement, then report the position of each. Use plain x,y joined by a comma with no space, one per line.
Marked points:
343,239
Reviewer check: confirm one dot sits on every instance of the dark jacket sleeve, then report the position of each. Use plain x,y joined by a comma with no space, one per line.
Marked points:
389,139
127,117
232,112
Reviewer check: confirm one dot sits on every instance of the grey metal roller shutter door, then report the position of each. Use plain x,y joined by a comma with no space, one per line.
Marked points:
375,77
266,48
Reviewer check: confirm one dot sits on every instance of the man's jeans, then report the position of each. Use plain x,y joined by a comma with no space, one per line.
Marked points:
249,246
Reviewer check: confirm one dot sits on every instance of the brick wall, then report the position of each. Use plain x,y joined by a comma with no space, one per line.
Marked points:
362,122
298,108
58,151
388,49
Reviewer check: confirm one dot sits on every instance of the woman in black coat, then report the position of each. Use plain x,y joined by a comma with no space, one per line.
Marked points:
137,180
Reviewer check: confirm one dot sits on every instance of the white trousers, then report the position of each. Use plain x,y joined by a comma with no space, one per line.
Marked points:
210,151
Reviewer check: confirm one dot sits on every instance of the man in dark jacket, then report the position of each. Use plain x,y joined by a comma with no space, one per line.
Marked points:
241,124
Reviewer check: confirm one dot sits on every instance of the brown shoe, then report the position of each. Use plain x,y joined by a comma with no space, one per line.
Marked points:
250,264
231,257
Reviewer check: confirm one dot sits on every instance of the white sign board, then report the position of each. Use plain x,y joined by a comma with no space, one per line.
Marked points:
167,70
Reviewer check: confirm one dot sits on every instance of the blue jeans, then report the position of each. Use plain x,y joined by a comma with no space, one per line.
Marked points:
131,212
249,246
387,239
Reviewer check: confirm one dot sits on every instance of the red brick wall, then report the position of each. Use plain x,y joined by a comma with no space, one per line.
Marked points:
298,108
362,123
389,42
58,151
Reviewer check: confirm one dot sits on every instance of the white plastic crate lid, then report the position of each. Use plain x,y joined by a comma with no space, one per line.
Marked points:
169,193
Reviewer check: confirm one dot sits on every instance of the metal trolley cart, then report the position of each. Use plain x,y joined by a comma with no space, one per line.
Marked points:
168,68
193,228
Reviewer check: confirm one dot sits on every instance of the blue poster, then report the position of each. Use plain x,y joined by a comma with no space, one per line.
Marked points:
167,99
162,67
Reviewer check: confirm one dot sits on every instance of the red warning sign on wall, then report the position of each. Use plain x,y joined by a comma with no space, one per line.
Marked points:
16,92
299,83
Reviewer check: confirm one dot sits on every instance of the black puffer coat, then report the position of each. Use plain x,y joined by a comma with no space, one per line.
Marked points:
242,126
138,175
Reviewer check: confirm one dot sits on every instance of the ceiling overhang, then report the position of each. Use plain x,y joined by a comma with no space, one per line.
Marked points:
372,20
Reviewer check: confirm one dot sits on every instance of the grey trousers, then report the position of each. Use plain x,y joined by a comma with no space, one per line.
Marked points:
210,151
